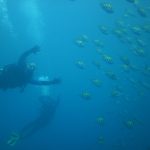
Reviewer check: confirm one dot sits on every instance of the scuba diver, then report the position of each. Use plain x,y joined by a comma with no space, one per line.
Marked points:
47,111
21,73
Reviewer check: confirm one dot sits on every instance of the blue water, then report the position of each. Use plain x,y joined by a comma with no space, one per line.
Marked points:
57,26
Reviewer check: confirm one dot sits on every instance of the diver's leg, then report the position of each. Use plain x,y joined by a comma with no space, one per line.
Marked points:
28,130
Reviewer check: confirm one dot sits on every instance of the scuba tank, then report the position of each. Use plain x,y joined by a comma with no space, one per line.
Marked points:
45,90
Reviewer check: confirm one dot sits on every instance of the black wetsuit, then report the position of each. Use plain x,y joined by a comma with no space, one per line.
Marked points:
19,74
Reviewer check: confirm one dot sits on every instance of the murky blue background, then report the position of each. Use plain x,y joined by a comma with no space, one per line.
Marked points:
56,26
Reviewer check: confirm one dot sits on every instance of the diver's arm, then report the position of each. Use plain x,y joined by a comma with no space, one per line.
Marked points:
49,82
24,56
